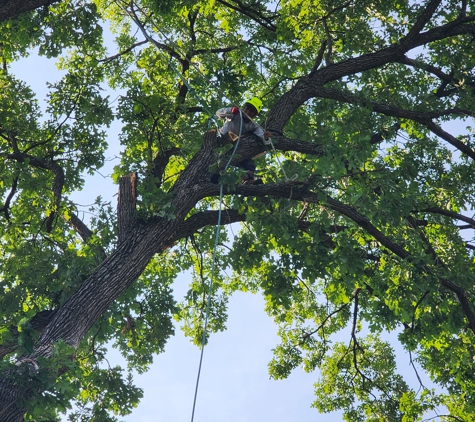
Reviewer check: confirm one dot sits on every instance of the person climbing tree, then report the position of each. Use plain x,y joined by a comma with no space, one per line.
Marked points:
234,126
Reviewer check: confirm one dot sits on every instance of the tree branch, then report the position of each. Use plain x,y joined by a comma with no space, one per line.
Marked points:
305,88
8,199
160,162
251,13
422,117
58,182
75,222
12,8
160,46
451,214
127,50
421,21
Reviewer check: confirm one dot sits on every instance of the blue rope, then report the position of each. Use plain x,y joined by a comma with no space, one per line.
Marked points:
218,226
208,305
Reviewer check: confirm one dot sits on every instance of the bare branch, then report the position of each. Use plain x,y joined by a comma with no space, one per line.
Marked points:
75,222
422,20
157,44
322,324
451,214
122,53
415,370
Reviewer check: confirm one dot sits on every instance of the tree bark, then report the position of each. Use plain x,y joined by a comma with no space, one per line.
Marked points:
141,240
12,8
126,204
113,276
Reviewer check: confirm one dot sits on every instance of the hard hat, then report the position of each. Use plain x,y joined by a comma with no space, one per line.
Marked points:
256,103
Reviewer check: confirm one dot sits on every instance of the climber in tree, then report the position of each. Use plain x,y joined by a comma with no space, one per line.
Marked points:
232,115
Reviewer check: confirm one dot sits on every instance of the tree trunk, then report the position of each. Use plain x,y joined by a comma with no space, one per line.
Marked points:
114,275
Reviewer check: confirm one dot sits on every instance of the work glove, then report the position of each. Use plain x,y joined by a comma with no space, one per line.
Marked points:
235,110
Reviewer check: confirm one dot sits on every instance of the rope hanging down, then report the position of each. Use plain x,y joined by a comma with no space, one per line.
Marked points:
218,226
208,304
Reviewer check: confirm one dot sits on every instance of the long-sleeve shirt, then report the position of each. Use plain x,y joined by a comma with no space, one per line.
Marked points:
233,123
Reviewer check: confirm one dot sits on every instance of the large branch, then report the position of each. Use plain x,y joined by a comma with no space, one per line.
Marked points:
12,8
422,117
252,146
297,191
305,87
208,218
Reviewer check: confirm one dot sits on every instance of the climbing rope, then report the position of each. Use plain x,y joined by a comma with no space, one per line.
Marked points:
216,239
212,117
218,226
269,141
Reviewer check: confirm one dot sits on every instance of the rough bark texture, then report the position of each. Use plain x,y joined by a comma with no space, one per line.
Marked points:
116,273
126,204
39,322
12,8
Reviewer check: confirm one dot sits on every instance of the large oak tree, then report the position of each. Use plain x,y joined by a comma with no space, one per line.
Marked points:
363,224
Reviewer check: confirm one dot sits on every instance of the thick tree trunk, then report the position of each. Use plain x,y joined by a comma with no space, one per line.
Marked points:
12,8
112,277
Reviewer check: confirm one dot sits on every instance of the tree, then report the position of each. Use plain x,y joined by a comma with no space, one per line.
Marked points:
370,234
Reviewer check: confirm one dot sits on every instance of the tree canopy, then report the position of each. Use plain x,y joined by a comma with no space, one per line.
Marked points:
363,226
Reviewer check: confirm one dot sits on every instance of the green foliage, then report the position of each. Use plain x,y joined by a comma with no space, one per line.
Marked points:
371,239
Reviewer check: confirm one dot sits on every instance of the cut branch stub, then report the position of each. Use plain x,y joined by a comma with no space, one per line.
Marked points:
126,205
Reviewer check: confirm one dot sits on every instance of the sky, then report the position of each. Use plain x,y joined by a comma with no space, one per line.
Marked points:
234,383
